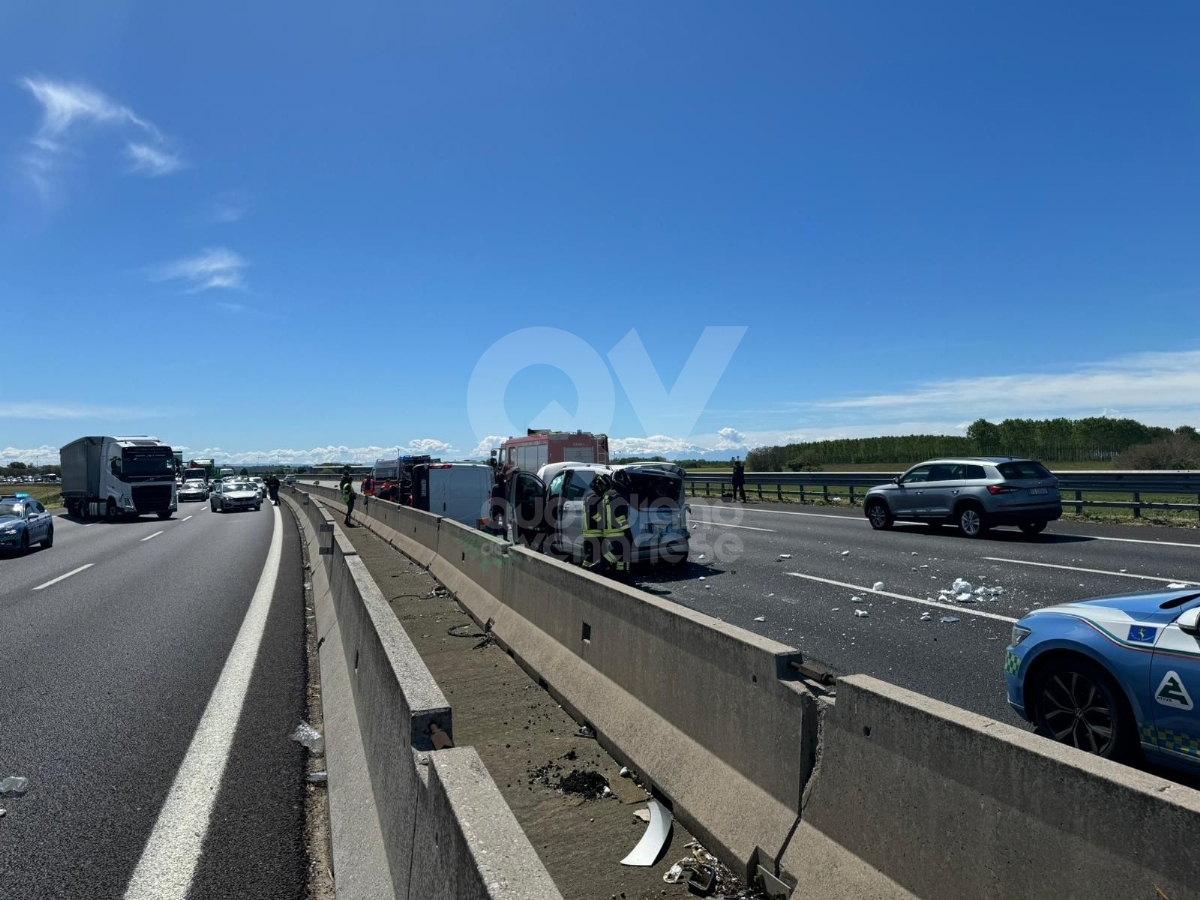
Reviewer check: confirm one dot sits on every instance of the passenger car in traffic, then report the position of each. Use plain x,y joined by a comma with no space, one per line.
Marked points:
1113,676
193,490
23,523
972,493
234,495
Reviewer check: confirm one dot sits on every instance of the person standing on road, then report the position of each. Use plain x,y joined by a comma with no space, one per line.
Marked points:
739,480
273,488
348,497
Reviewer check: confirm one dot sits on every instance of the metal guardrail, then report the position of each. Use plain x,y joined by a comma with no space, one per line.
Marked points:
817,486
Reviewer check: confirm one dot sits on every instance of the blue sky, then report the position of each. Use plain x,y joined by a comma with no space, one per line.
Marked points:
287,231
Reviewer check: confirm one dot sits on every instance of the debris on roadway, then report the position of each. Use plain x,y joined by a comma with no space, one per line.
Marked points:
879,586
785,556
706,875
861,613
948,620
308,736
14,786
760,618
925,617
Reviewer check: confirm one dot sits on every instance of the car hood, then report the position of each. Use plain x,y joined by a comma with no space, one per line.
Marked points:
240,494
1141,607
9,521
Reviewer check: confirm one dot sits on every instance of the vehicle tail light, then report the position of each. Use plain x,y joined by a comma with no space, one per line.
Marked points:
1002,489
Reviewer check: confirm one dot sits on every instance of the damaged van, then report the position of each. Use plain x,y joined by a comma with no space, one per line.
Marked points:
552,505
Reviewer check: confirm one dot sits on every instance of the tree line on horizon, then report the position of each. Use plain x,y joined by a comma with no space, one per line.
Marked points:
1060,440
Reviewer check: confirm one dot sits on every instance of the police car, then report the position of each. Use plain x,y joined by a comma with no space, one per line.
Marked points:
23,523
1113,675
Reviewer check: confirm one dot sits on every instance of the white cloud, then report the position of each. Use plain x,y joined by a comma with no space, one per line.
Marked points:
1145,386
152,161
332,453
63,411
45,455
227,208
213,268
66,107
485,447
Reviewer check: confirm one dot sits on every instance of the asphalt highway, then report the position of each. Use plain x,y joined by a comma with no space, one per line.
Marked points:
805,598
150,675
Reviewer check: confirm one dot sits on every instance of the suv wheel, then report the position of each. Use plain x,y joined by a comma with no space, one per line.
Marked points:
970,521
879,515
1033,527
1075,702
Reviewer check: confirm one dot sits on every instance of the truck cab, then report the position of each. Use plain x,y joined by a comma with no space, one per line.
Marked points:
119,476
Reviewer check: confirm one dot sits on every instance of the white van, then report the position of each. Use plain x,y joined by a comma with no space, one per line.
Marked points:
458,491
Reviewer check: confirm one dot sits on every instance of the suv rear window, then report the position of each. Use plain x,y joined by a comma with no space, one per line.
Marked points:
975,472
1014,471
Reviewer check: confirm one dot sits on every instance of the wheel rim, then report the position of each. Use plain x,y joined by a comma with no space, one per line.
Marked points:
970,521
878,515
1077,713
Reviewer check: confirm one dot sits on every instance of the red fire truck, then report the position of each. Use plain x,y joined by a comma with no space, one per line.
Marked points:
540,447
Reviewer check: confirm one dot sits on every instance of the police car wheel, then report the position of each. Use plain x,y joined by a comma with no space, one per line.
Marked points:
1077,703
24,542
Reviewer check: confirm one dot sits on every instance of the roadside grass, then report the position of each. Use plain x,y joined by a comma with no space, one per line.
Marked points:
49,495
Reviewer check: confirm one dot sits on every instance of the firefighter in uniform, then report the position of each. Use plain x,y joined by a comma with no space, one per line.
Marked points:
606,536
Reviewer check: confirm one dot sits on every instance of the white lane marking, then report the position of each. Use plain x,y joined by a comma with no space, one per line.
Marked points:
185,519
724,525
966,611
169,859
63,577
1133,540
1026,562
151,537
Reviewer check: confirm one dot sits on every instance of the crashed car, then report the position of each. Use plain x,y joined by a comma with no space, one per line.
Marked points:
552,503
1113,676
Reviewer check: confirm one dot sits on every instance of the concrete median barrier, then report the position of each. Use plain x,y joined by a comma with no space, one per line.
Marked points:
946,804
407,820
471,564
706,711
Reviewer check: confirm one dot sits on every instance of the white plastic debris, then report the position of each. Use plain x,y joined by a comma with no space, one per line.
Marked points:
861,614
701,556
835,609
1124,570
674,874
701,577
961,587
925,617
770,595
923,566
785,556
606,791
626,772
856,599
948,620
642,815
845,553
879,586
308,736
1176,586
317,777
760,618
914,553
14,786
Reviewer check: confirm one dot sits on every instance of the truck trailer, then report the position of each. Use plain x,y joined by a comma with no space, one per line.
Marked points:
118,476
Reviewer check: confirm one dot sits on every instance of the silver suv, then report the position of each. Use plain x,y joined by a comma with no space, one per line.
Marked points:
973,493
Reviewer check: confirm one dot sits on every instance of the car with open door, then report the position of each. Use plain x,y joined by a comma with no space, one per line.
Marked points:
553,504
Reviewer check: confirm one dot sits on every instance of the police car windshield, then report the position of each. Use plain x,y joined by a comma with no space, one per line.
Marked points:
11,508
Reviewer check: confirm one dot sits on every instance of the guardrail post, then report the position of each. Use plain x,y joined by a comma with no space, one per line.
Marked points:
1137,510
706,491
778,492
760,490
851,495
801,493
1078,503
825,492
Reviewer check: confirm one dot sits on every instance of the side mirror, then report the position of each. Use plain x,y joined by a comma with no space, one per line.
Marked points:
896,480
1189,622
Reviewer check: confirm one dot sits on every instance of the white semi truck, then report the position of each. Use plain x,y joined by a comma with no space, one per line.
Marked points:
118,476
